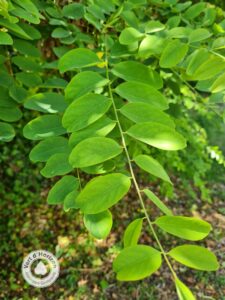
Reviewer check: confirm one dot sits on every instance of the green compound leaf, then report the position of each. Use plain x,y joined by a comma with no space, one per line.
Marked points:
152,166
173,22
57,164
199,35
129,35
28,6
103,192
195,257
25,14
16,29
218,85
193,11
93,151
151,45
26,63
174,53
73,11
18,93
61,189
77,58
100,128
136,262
60,32
132,233
135,71
188,228
157,135
26,48
5,39
209,68
158,202
179,32
183,291
85,111
154,26
46,102
48,147
44,127
197,58
55,83
31,79
9,111
70,200
141,92
204,65
143,112
7,132
83,83
99,225
218,43
32,31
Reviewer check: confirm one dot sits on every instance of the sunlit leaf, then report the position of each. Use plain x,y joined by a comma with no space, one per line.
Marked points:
77,58
132,233
157,135
152,166
93,151
136,262
103,192
195,257
99,224
188,228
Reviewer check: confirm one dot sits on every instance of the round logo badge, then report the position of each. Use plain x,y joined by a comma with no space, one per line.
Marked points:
40,268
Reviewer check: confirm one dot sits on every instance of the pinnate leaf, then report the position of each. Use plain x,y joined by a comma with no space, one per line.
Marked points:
219,84
93,151
7,132
77,58
57,164
199,35
44,127
61,189
5,39
141,92
157,135
85,111
135,71
183,291
46,102
136,262
48,147
152,166
99,128
143,112
132,233
103,192
83,83
173,53
129,35
188,228
99,225
158,202
195,257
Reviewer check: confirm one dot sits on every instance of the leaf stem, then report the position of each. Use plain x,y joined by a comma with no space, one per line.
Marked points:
138,190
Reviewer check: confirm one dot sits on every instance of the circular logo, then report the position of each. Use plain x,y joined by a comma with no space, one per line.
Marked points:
40,268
